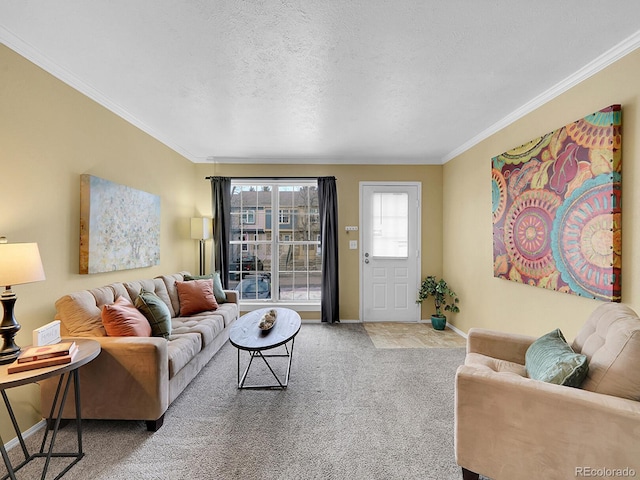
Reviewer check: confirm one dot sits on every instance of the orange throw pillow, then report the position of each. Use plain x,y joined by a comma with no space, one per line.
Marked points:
196,296
122,319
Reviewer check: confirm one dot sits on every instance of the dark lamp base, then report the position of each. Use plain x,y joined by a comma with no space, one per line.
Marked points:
7,357
8,329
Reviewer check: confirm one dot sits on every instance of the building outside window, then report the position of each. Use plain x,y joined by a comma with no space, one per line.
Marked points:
284,216
249,217
275,259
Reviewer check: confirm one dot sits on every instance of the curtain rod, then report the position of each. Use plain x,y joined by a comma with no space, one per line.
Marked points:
268,178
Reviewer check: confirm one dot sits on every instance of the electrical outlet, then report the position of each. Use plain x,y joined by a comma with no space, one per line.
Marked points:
353,244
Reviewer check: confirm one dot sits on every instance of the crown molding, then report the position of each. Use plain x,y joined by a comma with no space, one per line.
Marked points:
35,56
32,54
610,56
324,160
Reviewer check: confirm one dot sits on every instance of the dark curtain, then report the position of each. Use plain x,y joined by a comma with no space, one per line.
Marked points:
221,208
328,209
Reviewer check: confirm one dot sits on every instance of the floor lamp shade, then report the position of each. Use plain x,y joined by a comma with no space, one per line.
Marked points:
19,263
201,230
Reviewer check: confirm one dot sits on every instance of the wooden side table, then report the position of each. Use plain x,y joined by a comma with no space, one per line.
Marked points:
87,351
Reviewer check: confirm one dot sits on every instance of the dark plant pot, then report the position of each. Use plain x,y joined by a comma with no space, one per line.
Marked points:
438,322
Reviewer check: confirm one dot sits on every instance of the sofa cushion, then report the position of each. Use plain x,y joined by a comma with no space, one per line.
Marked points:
208,325
156,312
122,319
181,348
551,359
228,311
119,290
153,285
218,291
80,312
170,283
610,339
196,296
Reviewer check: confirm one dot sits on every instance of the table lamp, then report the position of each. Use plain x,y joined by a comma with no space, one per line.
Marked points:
19,263
201,230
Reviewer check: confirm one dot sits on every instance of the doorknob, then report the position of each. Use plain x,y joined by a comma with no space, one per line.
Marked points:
366,254
366,260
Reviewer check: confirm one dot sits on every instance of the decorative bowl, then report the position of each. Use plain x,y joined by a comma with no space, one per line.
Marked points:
268,320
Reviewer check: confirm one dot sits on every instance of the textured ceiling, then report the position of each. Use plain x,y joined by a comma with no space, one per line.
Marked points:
375,81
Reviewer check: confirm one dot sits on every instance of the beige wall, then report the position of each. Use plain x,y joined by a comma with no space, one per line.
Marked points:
49,135
467,253
347,180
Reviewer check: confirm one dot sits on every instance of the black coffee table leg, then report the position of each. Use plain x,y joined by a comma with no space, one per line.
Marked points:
258,353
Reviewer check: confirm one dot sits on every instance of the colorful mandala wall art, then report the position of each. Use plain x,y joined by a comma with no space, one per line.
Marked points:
557,209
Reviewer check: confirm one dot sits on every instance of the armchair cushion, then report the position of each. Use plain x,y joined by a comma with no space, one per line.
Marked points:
551,359
484,362
505,346
611,340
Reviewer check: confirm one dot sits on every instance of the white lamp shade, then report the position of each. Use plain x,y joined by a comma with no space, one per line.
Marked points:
20,263
201,228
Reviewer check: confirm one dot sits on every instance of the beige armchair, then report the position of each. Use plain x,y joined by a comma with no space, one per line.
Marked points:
511,427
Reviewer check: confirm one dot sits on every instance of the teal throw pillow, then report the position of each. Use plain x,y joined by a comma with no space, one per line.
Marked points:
156,312
551,359
218,292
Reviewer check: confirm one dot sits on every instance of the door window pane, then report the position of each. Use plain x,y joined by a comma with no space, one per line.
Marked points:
390,225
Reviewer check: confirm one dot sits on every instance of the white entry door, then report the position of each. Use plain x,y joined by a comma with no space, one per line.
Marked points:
390,251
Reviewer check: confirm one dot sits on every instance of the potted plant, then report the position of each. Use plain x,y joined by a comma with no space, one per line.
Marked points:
443,298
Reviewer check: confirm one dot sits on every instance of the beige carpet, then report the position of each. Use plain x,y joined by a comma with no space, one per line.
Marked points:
411,335
351,412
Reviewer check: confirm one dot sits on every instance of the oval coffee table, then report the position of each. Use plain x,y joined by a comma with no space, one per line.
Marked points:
246,335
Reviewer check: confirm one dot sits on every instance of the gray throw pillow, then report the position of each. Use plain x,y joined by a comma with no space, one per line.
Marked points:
218,292
156,312
551,359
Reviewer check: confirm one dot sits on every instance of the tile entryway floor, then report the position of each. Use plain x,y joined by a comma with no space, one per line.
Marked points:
412,335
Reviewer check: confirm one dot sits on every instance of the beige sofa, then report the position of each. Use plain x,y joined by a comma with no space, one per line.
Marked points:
510,427
137,378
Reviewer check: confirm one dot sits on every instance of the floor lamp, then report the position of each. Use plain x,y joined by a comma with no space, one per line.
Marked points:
201,230
19,263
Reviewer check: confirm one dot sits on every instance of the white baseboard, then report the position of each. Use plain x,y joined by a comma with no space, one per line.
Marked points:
37,427
457,330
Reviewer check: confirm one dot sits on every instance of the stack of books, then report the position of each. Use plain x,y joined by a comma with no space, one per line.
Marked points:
44,356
